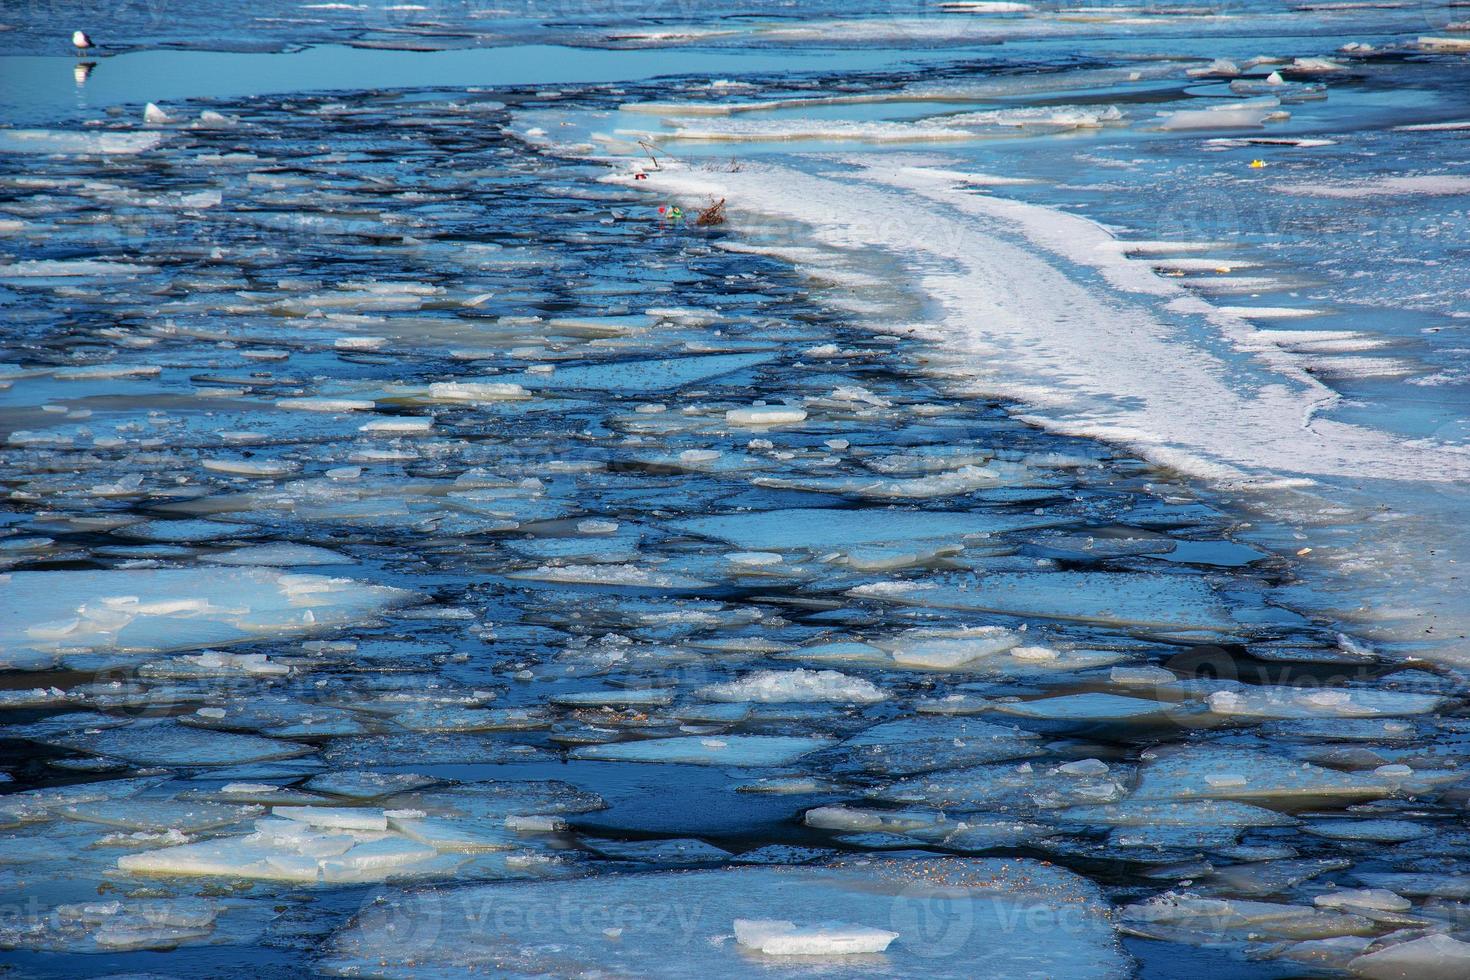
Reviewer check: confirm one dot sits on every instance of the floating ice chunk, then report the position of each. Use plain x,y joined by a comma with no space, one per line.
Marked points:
535,823
986,6
762,130
466,835
375,857
644,376
251,467
162,743
1124,599
1006,787
1090,708
1284,702
779,937
1190,918
613,575
113,926
1380,831
77,144
1203,814
1448,45
818,528
1009,910
169,609
1202,772
914,745
214,663
1363,898
477,391
365,785
779,686
159,815
155,116
1216,119
763,416
418,749
728,750
1427,958
405,425
1219,68
56,268
334,405
624,698
681,851
279,555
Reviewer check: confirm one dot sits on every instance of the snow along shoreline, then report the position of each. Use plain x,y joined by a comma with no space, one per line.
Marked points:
1114,360
1047,309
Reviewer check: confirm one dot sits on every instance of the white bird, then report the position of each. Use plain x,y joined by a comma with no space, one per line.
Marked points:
81,42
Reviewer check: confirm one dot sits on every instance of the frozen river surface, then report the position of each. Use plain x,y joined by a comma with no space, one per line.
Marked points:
1019,540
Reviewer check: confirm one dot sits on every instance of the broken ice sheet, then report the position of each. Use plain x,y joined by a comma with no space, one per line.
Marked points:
1126,599
159,742
1254,701
635,377
432,749
815,528
1007,923
1203,921
46,614
914,745
151,814
727,750
110,925
1093,708
662,852
1202,772
777,686
1021,789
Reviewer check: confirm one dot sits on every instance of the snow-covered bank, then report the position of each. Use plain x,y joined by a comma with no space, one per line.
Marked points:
1050,310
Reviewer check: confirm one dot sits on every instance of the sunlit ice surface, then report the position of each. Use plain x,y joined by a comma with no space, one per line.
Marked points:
959,490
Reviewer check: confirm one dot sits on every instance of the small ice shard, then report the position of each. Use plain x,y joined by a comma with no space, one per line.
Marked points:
779,686
780,937
155,116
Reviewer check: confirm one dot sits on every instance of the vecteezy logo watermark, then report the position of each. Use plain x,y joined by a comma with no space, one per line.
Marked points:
933,920
407,923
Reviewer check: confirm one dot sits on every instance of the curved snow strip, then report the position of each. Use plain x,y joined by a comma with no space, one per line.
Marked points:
1106,348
